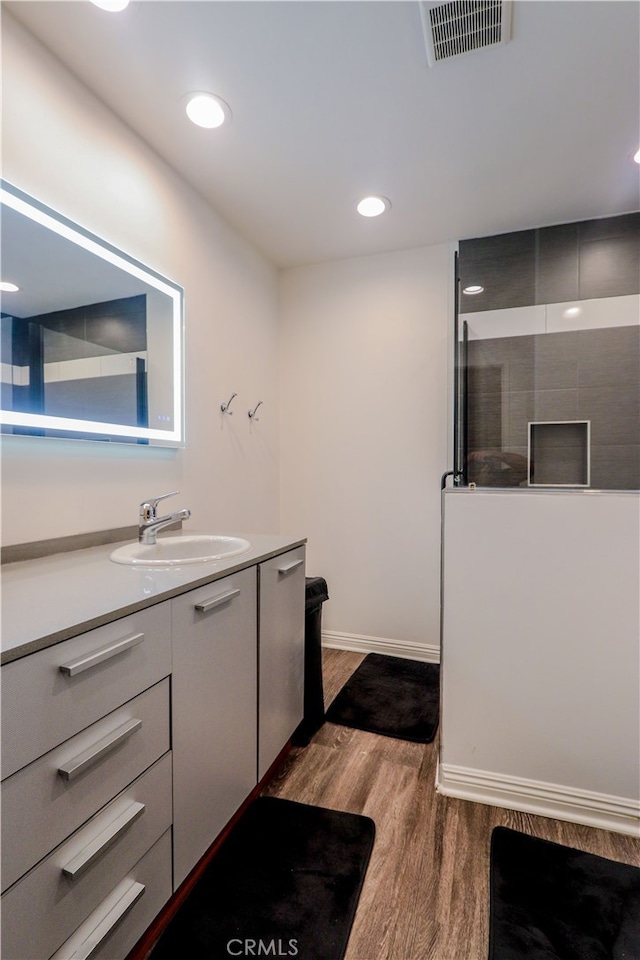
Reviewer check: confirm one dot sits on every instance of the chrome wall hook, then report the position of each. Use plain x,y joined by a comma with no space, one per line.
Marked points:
225,406
252,413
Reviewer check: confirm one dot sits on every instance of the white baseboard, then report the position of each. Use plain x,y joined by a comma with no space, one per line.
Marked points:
392,648
602,810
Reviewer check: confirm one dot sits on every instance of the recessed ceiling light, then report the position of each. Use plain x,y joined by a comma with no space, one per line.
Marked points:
113,6
373,206
8,287
637,157
473,289
206,110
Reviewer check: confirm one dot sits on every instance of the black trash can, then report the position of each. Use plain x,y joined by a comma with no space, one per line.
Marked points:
315,594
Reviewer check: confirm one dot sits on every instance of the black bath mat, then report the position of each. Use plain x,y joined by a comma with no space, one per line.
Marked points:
285,882
391,696
550,902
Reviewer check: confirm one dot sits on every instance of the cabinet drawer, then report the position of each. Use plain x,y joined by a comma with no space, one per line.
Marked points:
49,903
50,798
51,695
117,924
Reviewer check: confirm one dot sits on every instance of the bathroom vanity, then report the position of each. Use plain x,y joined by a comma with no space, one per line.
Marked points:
140,708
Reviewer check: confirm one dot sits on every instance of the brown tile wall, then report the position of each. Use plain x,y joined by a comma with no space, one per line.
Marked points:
571,261
578,375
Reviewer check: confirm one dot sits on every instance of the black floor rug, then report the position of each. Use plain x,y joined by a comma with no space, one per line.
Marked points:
391,696
550,902
285,882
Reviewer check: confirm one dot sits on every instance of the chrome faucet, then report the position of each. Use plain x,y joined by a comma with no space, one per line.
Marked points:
149,523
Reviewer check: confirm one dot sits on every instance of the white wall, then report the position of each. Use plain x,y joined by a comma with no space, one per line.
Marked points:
363,375
64,147
364,439
541,653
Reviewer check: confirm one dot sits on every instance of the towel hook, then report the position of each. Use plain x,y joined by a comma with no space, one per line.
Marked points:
225,406
252,413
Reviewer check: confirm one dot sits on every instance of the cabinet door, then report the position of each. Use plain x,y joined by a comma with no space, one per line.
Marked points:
214,707
281,653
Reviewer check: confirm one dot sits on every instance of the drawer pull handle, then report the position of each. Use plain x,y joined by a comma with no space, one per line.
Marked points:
216,601
82,946
288,567
98,656
98,750
102,841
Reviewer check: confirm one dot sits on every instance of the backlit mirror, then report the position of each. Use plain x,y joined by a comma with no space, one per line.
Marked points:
91,339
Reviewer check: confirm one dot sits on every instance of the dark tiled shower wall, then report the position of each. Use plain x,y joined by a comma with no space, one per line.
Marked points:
572,261
118,326
576,375
88,331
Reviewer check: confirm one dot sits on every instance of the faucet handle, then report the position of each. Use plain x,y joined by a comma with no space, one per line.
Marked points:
148,507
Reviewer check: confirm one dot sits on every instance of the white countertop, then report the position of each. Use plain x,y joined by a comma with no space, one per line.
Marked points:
62,595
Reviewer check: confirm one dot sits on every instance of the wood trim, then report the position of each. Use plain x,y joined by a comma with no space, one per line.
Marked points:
152,934
618,814
357,643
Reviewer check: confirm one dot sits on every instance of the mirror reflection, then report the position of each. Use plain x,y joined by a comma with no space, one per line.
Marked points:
90,339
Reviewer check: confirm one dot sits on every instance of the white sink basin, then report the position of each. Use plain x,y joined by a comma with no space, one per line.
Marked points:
169,551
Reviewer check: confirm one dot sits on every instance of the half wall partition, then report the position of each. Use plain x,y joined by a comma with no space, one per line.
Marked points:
540,659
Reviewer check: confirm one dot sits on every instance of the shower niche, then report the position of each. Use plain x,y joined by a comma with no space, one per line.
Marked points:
559,453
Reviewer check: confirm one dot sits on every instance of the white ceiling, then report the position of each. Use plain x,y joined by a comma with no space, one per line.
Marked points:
335,100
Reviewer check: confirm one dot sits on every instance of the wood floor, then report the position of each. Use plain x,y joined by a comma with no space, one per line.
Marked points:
426,893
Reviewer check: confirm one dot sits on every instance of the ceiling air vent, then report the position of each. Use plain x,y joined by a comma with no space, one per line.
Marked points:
463,26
